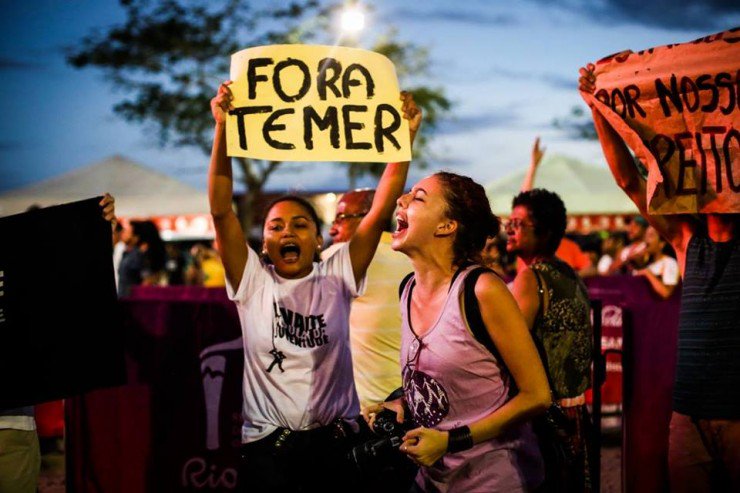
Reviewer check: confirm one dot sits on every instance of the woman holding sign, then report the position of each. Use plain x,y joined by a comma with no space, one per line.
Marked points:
463,338
300,403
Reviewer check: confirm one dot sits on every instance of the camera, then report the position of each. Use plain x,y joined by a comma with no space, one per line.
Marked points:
382,453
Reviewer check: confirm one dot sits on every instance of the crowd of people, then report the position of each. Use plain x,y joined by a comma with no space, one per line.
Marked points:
637,250
492,377
476,339
141,258
481,369
487,379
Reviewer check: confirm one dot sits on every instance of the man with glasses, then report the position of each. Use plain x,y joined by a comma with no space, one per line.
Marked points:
568,251
375,324
375,321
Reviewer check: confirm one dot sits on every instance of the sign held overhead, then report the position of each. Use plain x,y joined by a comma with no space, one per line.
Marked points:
315,103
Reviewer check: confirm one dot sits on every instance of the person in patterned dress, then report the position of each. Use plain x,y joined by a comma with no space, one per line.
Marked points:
555,305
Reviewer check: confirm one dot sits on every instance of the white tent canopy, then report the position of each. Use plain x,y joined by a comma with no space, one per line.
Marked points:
584,189
139,191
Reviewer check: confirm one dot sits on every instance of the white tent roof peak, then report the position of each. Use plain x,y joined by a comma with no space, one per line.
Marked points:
140,191
585,189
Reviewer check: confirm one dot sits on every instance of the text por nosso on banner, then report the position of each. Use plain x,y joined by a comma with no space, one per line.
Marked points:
678,108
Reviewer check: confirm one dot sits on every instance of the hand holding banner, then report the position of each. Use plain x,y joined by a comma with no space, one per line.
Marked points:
678,108
315,103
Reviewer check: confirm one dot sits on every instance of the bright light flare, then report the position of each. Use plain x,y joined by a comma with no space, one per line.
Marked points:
352,20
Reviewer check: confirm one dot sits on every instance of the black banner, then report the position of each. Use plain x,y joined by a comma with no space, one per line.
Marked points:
60,329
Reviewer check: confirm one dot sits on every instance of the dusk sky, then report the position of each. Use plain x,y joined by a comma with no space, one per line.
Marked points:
510,68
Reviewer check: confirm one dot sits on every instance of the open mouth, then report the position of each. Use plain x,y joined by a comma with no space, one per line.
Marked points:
290,252
401,224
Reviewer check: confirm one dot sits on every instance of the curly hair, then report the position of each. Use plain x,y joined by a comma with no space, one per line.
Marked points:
468,204
548,215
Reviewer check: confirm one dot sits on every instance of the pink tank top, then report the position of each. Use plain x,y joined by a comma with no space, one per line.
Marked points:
451,380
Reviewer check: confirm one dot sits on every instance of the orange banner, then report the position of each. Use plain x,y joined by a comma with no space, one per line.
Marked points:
678,108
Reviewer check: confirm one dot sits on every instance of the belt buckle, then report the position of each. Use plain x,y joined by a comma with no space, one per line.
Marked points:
281,442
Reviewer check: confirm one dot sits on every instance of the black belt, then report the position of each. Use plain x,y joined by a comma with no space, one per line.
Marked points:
282,440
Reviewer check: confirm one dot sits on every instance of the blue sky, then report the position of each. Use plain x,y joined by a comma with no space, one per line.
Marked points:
510,67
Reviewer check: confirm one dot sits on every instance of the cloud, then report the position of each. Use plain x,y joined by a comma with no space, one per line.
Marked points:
553,80
7,63
492,118
558,81
477,18
668,14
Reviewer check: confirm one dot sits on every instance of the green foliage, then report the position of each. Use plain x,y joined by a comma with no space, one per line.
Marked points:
169,56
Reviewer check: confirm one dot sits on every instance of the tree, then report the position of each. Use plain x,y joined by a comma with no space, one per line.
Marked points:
168,57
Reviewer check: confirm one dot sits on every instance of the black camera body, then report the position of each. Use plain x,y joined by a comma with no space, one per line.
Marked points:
386,425
381,453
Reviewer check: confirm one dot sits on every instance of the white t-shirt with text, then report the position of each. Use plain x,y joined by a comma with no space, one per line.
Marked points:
297,364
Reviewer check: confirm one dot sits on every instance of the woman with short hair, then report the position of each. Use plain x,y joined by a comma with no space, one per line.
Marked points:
556,308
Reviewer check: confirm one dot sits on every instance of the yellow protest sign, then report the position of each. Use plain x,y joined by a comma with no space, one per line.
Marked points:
678,108
316,103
